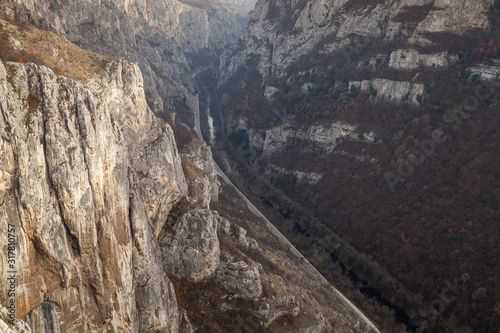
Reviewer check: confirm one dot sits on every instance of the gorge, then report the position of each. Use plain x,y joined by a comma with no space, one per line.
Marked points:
231,166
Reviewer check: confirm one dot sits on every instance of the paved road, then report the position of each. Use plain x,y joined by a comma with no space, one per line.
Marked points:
271,227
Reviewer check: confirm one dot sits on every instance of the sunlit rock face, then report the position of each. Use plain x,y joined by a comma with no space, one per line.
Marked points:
411,59
190,245
87,174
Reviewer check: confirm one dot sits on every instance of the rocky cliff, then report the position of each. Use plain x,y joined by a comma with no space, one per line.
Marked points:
88,173
281,32
107,227
290,42
164,37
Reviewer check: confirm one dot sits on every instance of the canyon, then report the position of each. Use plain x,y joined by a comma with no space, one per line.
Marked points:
221,166
115,221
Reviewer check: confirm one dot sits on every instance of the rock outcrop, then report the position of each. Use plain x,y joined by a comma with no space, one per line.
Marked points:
190,246
316,137
411,59
311,178
6,325
240,279
201,174
489,71
389,90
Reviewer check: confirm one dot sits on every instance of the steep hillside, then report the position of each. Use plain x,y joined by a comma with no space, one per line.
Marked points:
368,131
108,226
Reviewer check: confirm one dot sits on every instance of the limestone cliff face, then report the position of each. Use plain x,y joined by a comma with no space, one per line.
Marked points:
92,182
187,26
280,32
5,326
87,174
190,245
156,34
316,137
245,5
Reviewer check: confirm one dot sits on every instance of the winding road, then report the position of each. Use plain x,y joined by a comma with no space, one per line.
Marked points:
269,225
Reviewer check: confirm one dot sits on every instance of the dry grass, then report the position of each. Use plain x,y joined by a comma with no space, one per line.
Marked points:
49,49
191,171
194,176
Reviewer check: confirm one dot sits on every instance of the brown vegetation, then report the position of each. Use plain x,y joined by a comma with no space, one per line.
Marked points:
37,46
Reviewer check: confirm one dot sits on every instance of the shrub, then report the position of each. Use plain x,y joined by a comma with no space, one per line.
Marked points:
58,70
354,91
419,98
239,138
7,53
373,91
475,78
